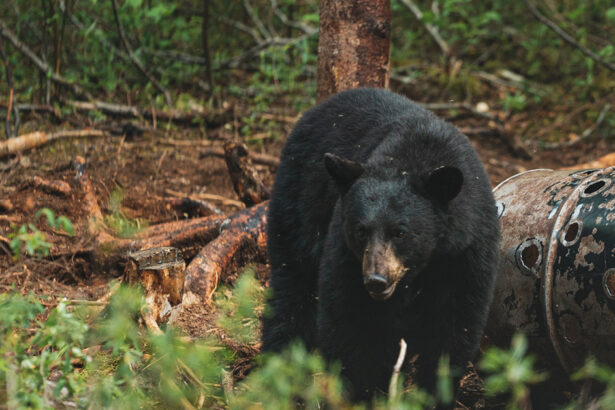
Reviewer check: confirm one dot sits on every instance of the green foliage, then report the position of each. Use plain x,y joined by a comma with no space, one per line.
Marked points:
240,308
37,369
511,372
603,374
514,102
290,378
44,364
34,241
121,225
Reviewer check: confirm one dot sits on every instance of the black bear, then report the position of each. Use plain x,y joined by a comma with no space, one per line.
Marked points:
381,226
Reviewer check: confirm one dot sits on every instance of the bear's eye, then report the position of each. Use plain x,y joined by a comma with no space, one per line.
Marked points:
400,233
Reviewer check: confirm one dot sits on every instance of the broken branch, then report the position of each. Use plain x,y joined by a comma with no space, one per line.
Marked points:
246,181
38,138
242,239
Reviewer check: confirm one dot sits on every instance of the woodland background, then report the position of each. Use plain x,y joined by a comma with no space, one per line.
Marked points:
147,103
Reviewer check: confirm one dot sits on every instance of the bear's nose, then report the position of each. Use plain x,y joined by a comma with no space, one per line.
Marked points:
376,283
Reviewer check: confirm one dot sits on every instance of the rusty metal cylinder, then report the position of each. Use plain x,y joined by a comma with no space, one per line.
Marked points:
557,265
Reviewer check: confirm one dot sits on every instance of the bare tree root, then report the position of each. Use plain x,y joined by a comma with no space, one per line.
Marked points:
242,239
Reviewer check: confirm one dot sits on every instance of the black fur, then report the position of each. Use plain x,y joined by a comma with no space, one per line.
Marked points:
411,179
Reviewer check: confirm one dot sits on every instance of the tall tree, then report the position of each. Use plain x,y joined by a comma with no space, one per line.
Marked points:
353,45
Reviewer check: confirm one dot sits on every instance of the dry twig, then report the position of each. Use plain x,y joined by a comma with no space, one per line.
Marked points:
431,29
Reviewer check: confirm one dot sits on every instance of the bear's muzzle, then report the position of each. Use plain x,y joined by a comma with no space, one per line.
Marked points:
382,269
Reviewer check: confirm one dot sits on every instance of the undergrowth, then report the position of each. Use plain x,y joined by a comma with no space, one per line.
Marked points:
60,359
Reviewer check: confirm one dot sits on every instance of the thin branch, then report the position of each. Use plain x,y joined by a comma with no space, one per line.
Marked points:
431,29
12,106
585,135
397,369
134,59
566,37
306,28
205,40
240,26
101,39
33,108
41,65
257,21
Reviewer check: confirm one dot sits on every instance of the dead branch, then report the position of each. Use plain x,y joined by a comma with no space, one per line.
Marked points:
242,239
38,138
431,29
211,119
105,249
397,369
257,158
135,60
257,21
33,108
193,207
209,197
566,37
585,135
246,181
56,187
306,28
40,64
101,39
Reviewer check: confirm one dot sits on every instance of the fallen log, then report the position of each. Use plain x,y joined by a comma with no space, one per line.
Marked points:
242,239
38,138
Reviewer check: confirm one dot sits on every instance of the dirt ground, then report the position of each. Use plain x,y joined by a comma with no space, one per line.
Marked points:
151,169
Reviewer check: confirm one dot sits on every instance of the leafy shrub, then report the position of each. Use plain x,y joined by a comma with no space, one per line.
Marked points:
35,241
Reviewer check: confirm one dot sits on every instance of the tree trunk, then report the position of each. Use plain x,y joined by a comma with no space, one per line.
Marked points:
353,45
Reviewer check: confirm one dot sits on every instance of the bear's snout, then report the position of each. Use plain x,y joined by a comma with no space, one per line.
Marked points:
376,284
382,269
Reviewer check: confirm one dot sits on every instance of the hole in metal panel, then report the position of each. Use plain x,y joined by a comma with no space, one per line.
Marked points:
572,233
595,187
529,256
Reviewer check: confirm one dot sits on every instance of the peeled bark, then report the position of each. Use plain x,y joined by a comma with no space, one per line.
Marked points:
353,45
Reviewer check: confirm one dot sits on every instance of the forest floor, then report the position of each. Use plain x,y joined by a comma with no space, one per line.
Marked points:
145,171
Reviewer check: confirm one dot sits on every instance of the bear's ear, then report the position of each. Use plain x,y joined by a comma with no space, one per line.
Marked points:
343,171
444,183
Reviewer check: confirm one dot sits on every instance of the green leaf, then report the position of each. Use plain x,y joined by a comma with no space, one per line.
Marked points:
610,14
49,214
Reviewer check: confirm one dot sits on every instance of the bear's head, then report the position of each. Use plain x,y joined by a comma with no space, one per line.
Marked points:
392,219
